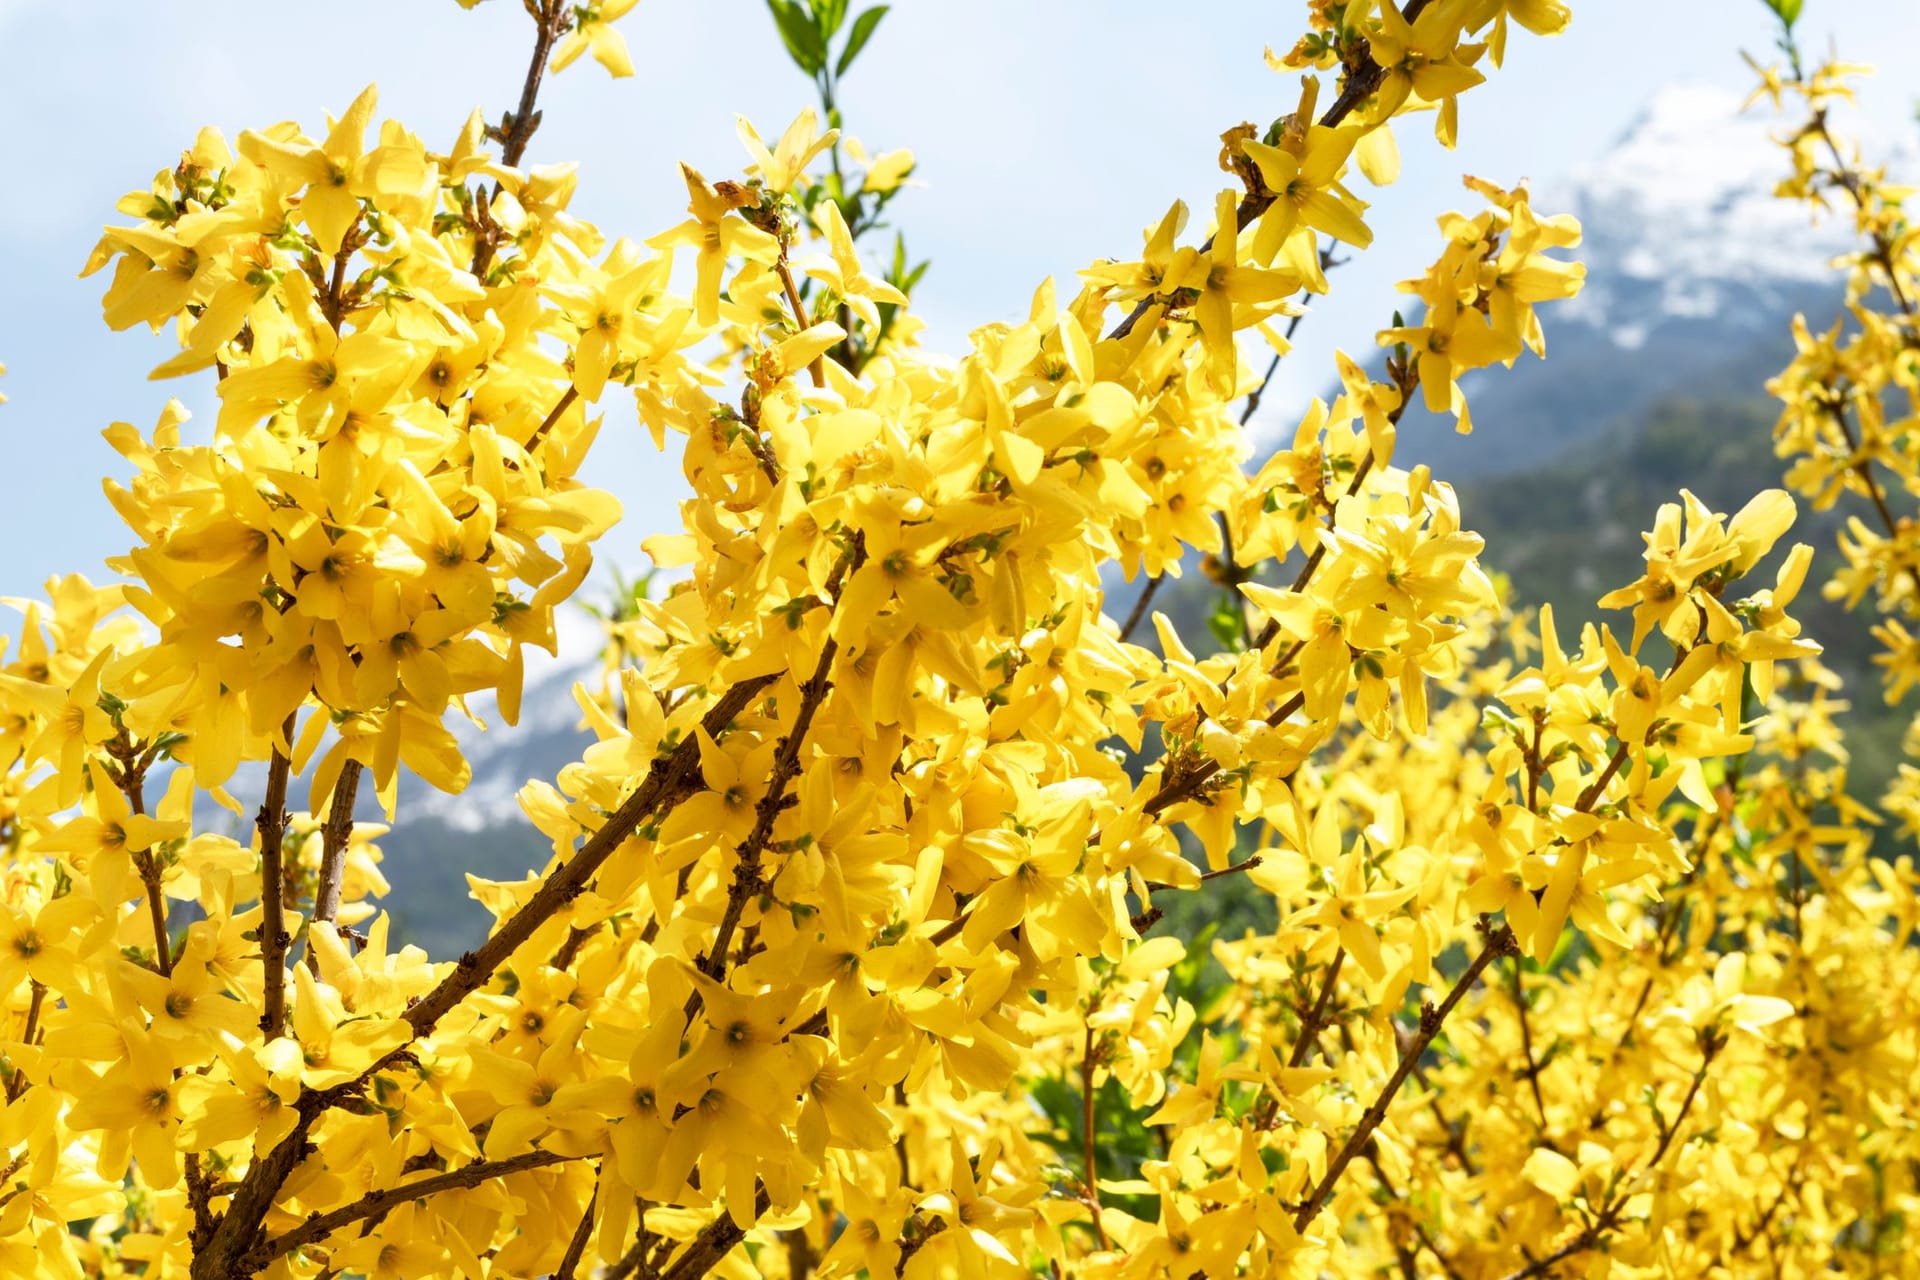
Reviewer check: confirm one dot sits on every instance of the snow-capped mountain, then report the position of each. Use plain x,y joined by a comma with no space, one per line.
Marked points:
503,757
1682,223
1694,270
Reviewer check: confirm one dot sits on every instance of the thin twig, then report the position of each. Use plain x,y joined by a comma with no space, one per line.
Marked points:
747,882
1310,1028
1140,605
1089,1172
550,21
1363,78
17,1082
799,312
1610,1213
667,782
715,1242
1499,942
1534,1068
547,423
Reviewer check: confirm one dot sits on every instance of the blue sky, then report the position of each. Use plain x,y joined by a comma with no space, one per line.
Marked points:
1049,132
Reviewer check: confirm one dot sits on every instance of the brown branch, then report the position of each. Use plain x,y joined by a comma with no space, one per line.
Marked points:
17,1082
131,780
1363,78
667,782
332,303
1862,466
634,1260
1499,942
1140,605
569,951
376,1205
577,1247
1844,173
1610,1213
1534,1068
1089,1172
799,311
1184,786
1310,1028
1407,1257
272,824
335,836
516,131
547,424
714,1243
747,882
923,1232
1744,1240
1599,785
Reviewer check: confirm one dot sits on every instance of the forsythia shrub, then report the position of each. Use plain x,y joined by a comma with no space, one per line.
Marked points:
864,944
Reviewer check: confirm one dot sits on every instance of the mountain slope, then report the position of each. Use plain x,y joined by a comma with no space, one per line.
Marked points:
1694,270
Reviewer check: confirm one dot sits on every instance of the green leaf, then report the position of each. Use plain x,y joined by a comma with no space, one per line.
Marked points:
802,37
857,39
1228,623
1788,11
828,15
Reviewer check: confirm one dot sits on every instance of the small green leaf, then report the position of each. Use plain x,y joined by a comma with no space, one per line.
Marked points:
1228,623
857,39
802,37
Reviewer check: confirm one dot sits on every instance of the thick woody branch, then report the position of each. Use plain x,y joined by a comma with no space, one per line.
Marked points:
713,1243
274,939
667,782
378,1204
335,837
577,1247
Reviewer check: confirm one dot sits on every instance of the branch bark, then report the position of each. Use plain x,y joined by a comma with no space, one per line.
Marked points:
376,1205
1499,942
667,782
335,837
713,1243
274,939
786,766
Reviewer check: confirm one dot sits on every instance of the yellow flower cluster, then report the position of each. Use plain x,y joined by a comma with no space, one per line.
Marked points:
855,949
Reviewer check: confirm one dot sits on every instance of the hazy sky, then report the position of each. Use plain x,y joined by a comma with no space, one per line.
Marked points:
1049,132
